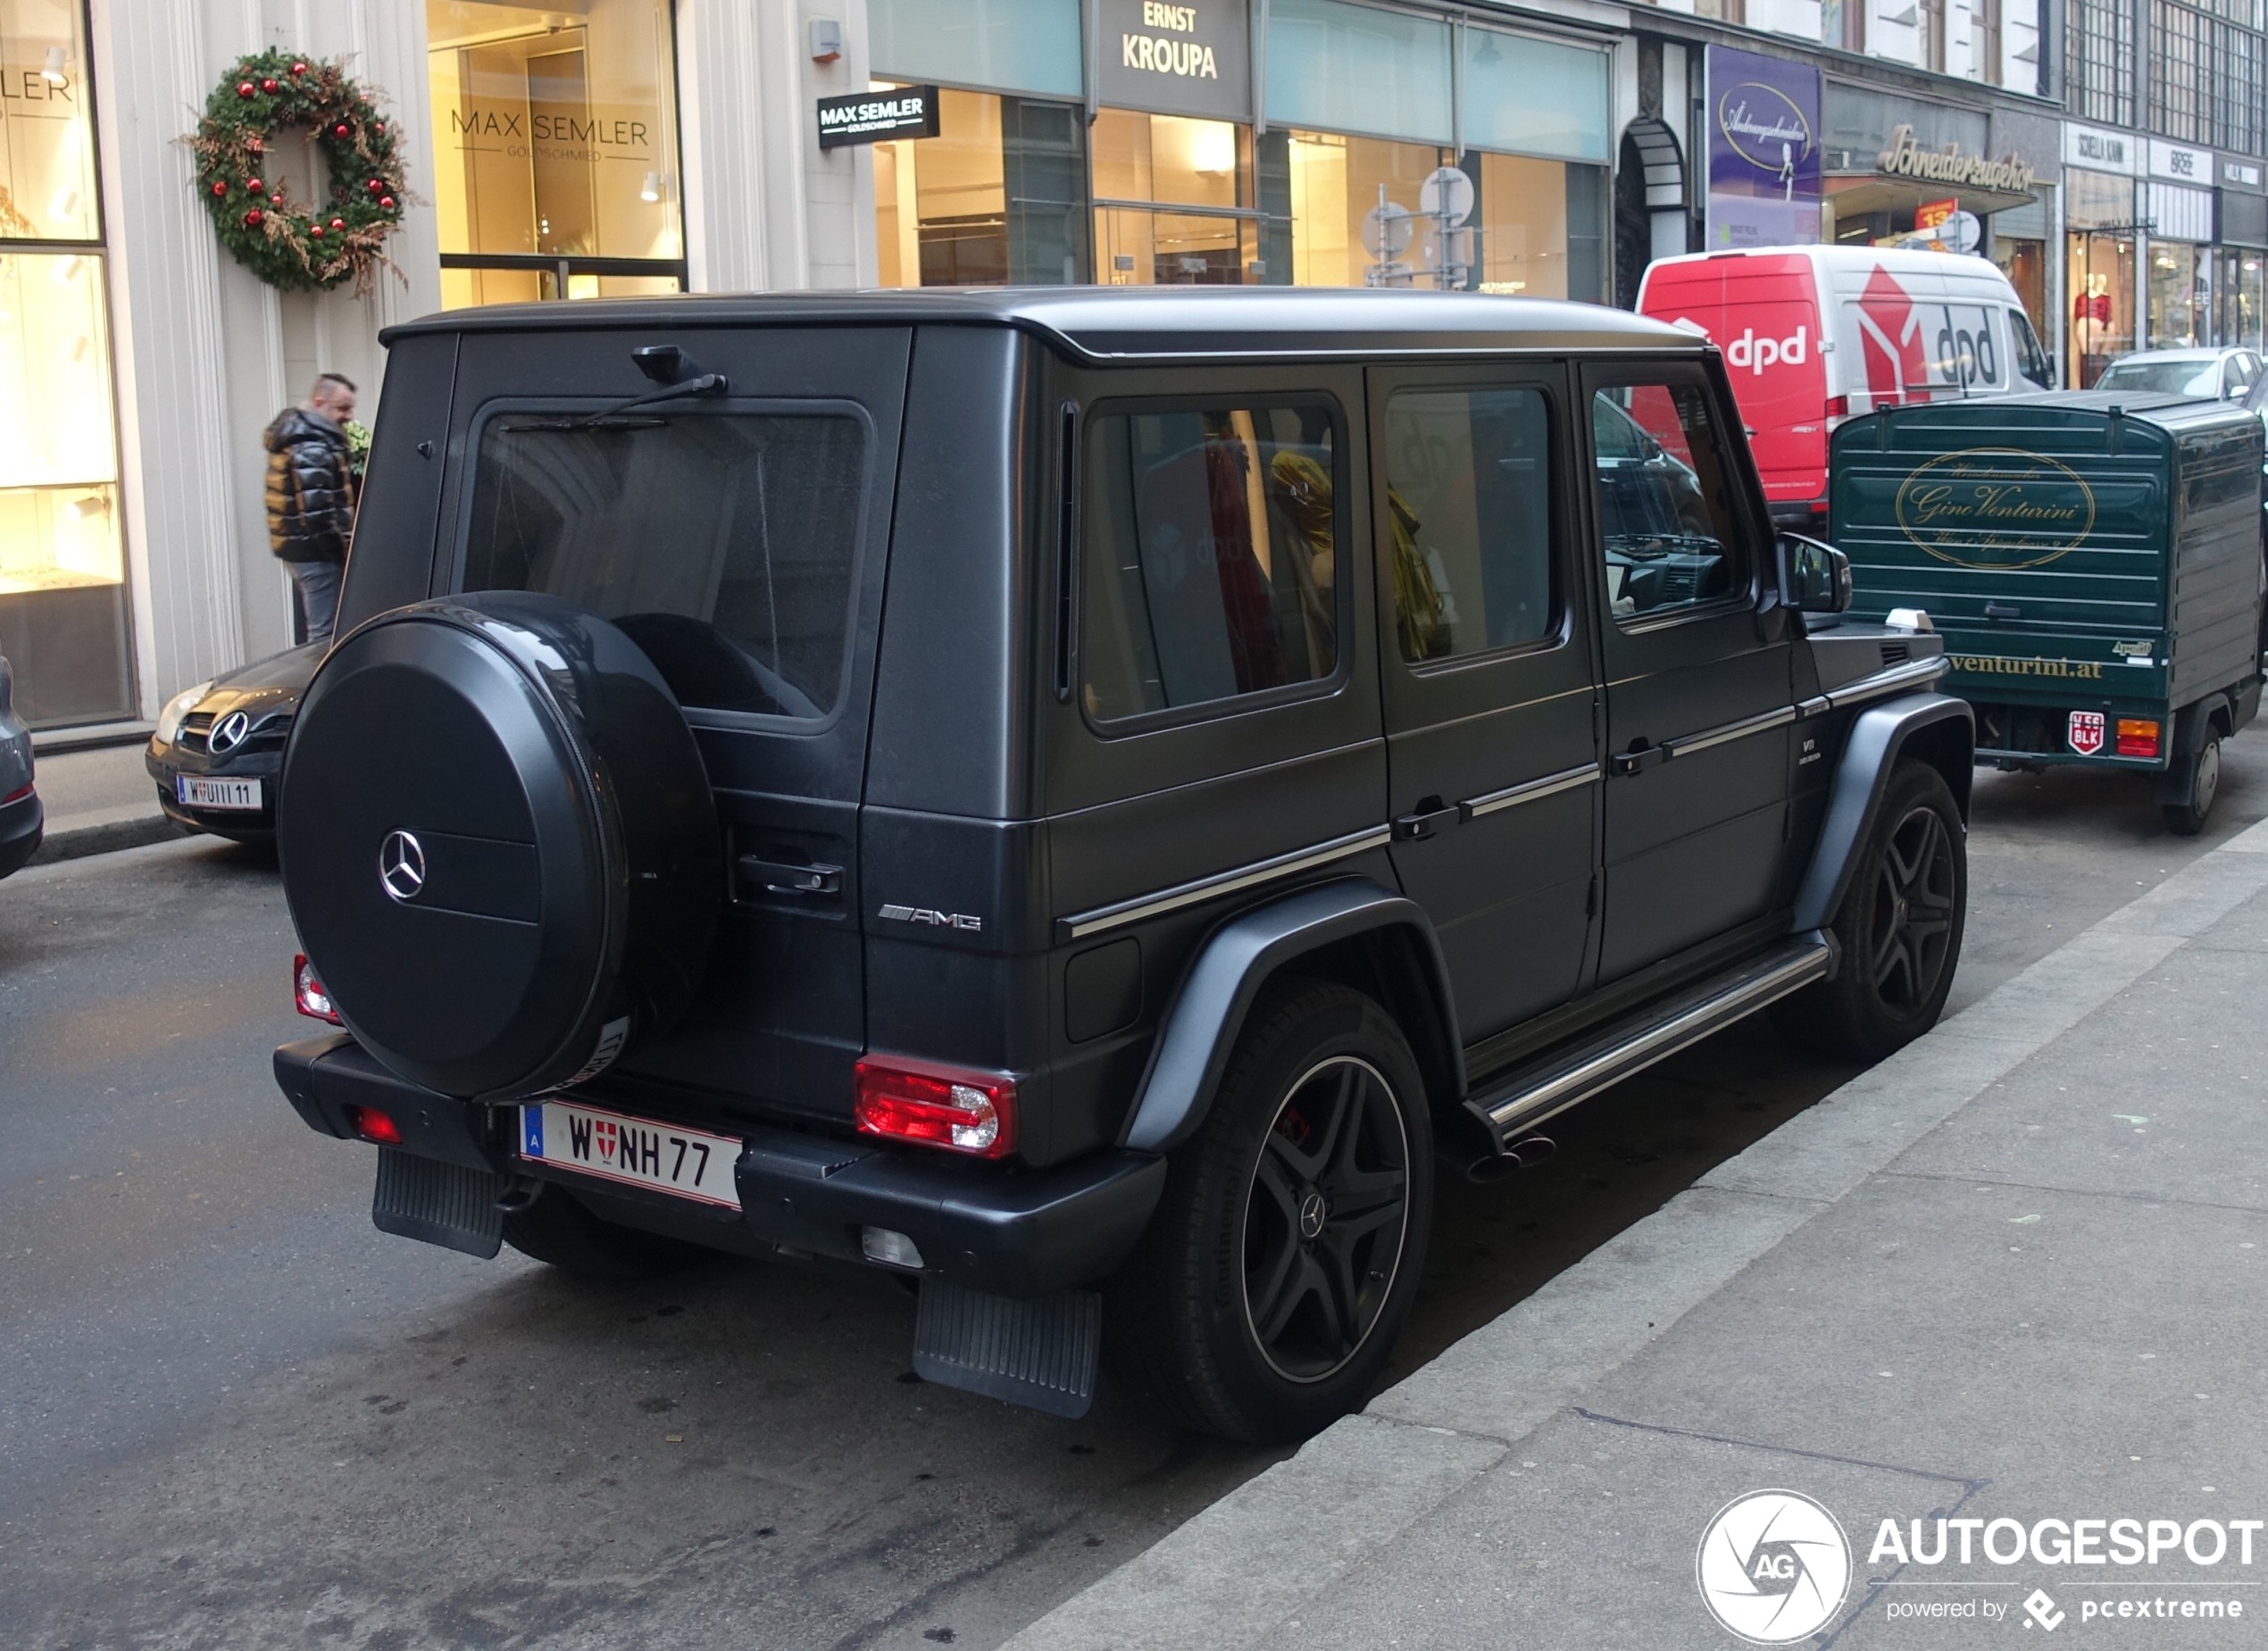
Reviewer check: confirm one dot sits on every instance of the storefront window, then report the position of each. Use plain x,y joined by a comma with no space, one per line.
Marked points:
999,194
2180,313
554,137
62,558
2098,211
2024,263
2239,291
1173,202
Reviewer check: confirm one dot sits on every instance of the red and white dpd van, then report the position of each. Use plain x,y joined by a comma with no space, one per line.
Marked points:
1814,335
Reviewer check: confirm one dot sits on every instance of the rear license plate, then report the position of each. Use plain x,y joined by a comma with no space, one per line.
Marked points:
662,1157
196,791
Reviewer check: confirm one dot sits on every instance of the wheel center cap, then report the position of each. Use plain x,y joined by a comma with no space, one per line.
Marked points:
1901,911
1312,1212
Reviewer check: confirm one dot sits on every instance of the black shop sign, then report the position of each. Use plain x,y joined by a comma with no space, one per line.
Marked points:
877,117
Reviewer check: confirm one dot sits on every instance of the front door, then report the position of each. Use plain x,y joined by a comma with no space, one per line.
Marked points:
1487,654
1698,712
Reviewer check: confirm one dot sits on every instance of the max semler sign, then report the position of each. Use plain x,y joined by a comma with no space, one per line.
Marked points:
877,117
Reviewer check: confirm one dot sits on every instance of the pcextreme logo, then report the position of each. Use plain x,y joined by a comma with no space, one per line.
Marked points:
1773,1567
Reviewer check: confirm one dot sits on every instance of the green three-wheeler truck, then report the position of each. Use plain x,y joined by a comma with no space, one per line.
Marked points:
2094,560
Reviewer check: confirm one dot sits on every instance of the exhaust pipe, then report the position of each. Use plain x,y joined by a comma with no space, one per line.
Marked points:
1525,1154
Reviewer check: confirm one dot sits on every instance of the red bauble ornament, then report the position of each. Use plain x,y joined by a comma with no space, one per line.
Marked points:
219,188
252,219
341,130
267,86
316,230
253,186
386,203
378,185
245,89
255,145
275,196
378,126
338,223
298,70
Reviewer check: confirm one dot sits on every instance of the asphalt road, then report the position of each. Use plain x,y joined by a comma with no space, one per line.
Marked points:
237,1416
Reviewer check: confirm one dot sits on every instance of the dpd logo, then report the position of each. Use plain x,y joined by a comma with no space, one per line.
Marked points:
1773,1567
1757,354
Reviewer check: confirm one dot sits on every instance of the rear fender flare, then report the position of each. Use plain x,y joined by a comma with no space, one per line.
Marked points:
1937,728
1237,959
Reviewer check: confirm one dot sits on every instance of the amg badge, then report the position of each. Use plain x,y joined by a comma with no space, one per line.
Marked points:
936,920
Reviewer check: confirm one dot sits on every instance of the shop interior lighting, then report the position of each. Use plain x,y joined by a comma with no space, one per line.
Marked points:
651,190
1213,149
53,70
93,504
65,204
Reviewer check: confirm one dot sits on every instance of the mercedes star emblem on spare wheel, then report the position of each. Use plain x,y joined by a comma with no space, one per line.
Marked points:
228,733
401,865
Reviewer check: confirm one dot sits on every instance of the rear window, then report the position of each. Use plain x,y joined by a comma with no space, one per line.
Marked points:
724,543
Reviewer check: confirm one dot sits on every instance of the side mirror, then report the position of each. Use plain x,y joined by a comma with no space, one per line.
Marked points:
1815,577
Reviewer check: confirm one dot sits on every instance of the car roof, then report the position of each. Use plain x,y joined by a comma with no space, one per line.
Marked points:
2180,355
1121,323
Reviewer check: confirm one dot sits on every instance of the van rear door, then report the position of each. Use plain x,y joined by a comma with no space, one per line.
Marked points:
1762,310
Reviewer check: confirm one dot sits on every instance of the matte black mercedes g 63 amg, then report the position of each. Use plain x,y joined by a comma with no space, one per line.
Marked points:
1077,796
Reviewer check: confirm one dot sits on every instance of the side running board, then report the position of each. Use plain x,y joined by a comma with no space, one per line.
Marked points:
1513,1106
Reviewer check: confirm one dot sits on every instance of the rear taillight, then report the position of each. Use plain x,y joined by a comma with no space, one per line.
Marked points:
373,1125
1838,406
933,1105
307,993
16,797
2137,736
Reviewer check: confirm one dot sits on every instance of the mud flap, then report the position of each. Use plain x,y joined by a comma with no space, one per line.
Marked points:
443,1204
1040,1354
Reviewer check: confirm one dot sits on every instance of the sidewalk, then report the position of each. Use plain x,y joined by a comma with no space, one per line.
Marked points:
2010,1273
97,801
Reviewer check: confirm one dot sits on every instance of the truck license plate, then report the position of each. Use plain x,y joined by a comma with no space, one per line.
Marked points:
2087,732
662,1157
197,791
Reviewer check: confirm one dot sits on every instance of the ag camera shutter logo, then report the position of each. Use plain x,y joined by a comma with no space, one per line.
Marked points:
1773,1567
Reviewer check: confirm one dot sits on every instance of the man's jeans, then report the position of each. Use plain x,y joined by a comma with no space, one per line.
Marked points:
318,583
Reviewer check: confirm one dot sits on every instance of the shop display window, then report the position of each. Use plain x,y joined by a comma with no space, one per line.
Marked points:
999,194
2239,290
2101,283
63,547
1173,202
554,144
2181,300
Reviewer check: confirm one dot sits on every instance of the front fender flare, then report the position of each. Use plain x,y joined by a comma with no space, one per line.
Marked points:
1878,737
1232,964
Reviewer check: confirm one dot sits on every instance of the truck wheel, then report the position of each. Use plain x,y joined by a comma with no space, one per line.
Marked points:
2187,819
1900,928
1276,1275
560,1230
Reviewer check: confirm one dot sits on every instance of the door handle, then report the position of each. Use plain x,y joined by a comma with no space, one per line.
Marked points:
1638,758
1431,812
779,877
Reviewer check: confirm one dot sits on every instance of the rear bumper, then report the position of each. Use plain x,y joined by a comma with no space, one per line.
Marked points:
23,825
1001,1228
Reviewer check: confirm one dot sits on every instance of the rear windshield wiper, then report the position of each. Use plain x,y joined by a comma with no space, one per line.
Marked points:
709,384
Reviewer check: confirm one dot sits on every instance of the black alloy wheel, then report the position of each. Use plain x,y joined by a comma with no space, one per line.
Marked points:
1326,1219
1910,930
2187,819
1899,928
1266,1294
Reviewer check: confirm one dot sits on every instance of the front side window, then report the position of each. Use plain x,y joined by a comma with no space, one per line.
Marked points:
1209,562
724,543
1468,490
1666,521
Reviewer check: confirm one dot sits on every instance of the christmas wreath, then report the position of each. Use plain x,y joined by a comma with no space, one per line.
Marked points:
298,246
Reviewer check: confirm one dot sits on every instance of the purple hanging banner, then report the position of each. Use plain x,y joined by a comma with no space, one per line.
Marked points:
1764,151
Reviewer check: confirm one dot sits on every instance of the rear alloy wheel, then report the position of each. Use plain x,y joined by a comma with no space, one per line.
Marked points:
1900,928
2187,819
1283,1260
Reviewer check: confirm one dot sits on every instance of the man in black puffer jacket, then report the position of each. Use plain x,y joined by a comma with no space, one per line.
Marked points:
311,497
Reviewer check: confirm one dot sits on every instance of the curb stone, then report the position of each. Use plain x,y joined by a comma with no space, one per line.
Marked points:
102,831
1245,1565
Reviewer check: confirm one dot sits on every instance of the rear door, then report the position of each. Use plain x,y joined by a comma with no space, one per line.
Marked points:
1698,709
1489,662
740,541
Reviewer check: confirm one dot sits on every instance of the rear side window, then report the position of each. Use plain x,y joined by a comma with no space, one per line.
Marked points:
1209,556
1468,487
724,543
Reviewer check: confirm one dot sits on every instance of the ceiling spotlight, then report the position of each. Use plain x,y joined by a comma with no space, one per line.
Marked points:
52,70
651,190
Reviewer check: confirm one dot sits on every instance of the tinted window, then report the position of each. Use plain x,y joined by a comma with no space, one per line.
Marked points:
1468,492
1665,506
1209,556
723,542
2031,360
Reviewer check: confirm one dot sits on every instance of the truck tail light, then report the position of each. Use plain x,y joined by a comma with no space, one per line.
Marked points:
373,1125
933,1105
2137,736
1838,406
307,993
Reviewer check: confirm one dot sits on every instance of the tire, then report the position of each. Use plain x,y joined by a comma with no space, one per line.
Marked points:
2187,819
1900,928
559,1230
1268,1293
